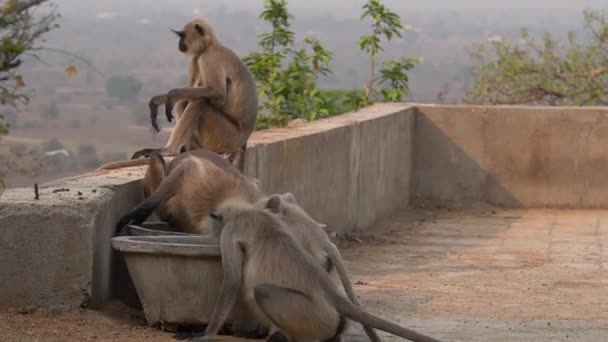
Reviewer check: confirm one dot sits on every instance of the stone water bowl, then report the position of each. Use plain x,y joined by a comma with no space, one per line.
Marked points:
177,278
154,228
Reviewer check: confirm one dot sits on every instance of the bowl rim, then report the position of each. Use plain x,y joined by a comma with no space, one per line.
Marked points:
163,245
157,232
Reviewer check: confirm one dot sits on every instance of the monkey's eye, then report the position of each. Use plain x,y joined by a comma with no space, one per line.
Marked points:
216,216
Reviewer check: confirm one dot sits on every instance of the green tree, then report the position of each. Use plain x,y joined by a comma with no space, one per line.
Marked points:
337,99
529,72
9,117
23,26
20,32
286,76
51,112
124,88
393,77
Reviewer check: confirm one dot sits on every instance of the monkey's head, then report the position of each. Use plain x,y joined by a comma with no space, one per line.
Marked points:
229,210
287,209
196,36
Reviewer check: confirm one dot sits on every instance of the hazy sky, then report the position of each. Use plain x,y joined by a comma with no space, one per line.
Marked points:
337,8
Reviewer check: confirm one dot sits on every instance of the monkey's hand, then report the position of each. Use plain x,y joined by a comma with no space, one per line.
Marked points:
153,104
138,215
170,102
154,115
169,115
121,225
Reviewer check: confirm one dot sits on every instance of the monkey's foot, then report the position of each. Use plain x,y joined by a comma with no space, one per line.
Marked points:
146,152
251,334
183,336
277,337
189,329
195,334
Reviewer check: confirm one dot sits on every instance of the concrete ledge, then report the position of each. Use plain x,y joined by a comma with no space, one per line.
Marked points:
56,250
347,171
511,156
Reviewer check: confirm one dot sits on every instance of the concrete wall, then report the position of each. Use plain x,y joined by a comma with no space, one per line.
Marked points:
511,156
56,250
346,171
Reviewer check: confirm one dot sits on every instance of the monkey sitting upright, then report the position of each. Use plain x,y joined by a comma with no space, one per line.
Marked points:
218,110
282,284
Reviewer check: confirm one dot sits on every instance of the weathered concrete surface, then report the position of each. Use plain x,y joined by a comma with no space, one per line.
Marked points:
384,149
469,276
511,156
346,171
487,275
56,250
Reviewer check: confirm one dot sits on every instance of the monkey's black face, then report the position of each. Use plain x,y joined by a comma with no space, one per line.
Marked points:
182,40
182,46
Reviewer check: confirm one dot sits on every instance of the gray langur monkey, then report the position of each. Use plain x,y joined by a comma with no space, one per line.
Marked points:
283,285
218,110
313,237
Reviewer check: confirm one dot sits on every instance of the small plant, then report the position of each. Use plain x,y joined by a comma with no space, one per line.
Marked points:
393,78
287,76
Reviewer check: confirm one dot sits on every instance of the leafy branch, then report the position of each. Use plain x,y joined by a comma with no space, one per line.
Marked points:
287,76
531,72
22,33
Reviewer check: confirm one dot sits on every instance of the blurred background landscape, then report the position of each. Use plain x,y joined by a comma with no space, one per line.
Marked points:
97,118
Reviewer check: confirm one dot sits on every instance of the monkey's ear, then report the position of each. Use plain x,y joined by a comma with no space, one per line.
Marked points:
199,29
215,216
178,33
289,197
274,204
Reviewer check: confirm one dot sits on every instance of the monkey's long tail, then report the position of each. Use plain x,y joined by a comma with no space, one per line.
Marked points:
346,308
121,164
334,255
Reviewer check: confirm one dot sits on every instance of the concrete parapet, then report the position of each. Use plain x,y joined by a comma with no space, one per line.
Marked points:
56,250
346,171
511,156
